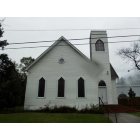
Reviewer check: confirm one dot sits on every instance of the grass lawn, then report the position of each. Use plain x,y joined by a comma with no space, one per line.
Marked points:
136,114
33,117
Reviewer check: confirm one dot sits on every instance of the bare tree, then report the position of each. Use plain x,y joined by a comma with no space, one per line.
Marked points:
3,43
132,54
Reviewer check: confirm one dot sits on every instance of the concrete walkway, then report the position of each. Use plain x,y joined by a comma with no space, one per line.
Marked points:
123,118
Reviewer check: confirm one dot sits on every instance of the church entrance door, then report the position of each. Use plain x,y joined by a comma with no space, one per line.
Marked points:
102,93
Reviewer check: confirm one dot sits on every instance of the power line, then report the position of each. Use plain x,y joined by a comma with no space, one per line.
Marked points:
73,44
17,43
43,41
123,29
70,29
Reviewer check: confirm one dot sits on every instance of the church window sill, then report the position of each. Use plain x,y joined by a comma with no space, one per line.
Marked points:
41,97
60,97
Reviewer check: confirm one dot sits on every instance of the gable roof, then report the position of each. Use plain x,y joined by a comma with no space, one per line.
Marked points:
114,75
113,72
55,44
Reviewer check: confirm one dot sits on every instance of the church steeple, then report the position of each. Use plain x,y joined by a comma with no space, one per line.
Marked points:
99,46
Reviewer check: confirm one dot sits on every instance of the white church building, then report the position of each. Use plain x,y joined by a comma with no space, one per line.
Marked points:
63,76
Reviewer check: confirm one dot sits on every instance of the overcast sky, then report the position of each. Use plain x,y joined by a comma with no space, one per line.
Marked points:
120,65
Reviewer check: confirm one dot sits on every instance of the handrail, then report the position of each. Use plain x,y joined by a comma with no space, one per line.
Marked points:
100,100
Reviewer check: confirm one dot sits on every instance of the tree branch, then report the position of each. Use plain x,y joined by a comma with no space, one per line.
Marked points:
131,54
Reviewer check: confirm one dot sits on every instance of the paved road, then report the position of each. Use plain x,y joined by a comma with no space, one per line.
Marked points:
124,118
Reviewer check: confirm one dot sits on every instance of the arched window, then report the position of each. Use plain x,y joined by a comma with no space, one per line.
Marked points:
41,87
99,45
102,84
81,87
61,87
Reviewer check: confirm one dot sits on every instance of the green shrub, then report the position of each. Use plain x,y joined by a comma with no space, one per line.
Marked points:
92,109
55,109
66,109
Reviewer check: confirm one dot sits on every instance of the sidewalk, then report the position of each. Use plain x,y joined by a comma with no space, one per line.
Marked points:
123,118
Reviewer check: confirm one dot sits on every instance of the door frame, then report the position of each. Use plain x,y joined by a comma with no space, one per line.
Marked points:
99,94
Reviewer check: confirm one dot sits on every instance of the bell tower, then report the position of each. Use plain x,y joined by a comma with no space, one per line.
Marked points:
99,53
99,47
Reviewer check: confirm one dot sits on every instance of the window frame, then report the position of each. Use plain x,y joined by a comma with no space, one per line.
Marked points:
63,88
98,48
43,89
78,88
103,82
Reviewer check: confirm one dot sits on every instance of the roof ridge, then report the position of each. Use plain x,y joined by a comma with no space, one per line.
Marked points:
53,45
